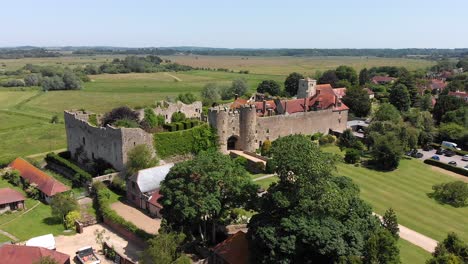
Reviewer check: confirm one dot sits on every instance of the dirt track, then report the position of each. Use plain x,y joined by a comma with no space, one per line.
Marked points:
131,214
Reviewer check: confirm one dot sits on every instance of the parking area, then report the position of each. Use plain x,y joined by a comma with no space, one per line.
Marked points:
70,244
443,158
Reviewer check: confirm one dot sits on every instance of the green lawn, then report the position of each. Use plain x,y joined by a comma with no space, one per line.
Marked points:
265,183
405,190
411,254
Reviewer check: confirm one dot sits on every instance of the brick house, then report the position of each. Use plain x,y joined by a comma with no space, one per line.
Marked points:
143,188
16,254
11,200
46,184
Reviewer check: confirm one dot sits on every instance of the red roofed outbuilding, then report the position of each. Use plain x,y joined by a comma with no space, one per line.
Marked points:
462,95
16,254
47,185
233,250
10,200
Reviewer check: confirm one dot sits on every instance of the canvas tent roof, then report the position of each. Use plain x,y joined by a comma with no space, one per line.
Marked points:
150,179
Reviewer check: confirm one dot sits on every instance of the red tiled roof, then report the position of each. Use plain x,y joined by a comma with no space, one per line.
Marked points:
382,79
340,92
15,254
154,199
459,94
45,183
438,84
8,195
369,91
238,103
234,250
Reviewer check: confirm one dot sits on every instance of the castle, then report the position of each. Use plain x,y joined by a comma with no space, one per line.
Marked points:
242,125
246,124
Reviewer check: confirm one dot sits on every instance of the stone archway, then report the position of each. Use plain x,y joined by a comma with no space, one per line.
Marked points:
233,143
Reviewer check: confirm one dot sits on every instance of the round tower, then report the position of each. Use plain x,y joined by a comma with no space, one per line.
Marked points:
247,126
218,118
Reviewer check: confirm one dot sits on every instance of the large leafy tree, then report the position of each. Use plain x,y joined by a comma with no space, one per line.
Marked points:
239,86
140,157
363,76
269,86
400,97
291,84
444,104
452,250
408,80
347,73
387,112
165,248
62,204
387,150
358,101
309,214
198,194
329,77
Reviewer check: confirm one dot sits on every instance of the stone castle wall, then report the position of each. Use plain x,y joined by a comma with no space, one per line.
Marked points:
86,141
251,130
166,109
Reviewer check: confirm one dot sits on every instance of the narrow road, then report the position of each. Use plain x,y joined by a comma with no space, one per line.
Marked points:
173,76
407,234
12,237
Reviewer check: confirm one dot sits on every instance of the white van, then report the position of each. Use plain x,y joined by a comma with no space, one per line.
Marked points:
448,144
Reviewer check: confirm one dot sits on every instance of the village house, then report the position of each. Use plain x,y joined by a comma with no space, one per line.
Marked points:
462,95
11,200
233,250
341,92
46,184
16,254
382,80
143,188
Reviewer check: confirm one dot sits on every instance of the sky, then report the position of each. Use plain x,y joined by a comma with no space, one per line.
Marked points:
236,24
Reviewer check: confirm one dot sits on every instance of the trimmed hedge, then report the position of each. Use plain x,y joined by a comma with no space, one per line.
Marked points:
183,125
80,175
104,210
446,166
192,140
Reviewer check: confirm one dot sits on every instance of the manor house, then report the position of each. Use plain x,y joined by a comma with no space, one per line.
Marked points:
246,124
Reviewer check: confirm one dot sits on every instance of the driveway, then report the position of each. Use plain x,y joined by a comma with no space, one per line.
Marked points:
141,220
69,244
445,159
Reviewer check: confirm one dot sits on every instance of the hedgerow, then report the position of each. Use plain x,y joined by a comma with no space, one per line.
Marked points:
447,166
80,176
192,140
104,210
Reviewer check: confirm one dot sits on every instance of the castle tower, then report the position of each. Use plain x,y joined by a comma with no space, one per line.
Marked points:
248,123
307,88
218,118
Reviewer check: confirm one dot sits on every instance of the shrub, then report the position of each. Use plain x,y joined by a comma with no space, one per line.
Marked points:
104,210
183,142
266,146
80,176
241,161
177,117
119,113
140,157
327,139
453,193
93,120
316,136
32,191
352,156
54,119
128,123
150,118
70,219
13,177
180,126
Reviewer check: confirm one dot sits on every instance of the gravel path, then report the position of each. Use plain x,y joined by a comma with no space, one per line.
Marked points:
141,220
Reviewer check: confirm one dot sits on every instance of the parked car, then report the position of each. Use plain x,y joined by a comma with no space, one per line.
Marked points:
466,167
411,153
86,255
418,155
440,151
427,148
435,157
453,163
465,158
449,153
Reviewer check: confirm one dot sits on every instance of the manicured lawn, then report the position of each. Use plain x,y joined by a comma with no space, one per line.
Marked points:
265,183
411,254
405,190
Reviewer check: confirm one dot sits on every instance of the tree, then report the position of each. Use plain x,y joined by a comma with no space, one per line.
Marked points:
452,250
358,101
70,219
382,248
459,116
239,86
120,113
62,204
386,151
52,83
165,248
269,86
390,222
291,84
407,79
138,158
347,73
71,81
100,238
363,76
305,215
198,193
329,77
453,193
425,103
444,104
463,63
352,156
348,140
387,112
178,117
186,98
150,119
400,97
210,93
266,146
46,260
32,79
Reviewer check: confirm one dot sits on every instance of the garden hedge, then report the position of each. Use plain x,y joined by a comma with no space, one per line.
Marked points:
104,210
80,175
446,166
192,140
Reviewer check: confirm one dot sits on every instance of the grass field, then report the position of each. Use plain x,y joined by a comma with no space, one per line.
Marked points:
411,254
